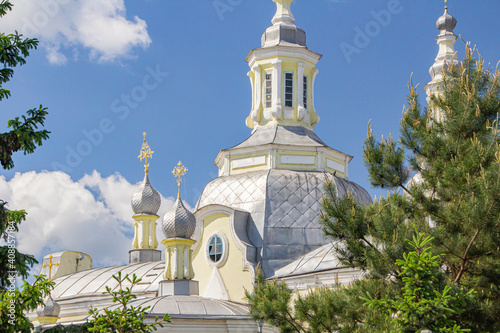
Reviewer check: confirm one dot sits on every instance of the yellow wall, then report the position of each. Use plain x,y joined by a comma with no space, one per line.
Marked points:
235,279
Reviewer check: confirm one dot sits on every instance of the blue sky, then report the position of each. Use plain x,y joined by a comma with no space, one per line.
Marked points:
184,63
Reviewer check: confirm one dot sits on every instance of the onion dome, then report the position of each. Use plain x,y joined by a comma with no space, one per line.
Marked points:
446,23
179,222
146,200
51,308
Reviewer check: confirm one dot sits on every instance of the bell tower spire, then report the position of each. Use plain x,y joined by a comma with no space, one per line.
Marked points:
282,74
446,57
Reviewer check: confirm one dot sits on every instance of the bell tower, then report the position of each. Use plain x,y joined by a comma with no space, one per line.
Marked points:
282,73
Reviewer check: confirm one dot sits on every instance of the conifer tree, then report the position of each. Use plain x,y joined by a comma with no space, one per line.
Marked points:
444,176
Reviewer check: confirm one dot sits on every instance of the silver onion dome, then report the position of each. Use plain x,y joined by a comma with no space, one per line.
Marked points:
446,23
146,200
179,222
51,308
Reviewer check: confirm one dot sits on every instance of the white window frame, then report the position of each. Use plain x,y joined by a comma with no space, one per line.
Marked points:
225,250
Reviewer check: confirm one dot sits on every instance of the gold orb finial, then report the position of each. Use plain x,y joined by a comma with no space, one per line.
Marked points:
145,153
446,4
179,171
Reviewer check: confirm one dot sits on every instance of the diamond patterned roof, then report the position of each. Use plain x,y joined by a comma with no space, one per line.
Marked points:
284,207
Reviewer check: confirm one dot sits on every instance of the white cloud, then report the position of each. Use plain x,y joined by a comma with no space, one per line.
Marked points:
92,215
100,26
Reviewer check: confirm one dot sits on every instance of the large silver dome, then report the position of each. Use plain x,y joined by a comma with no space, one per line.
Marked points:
179,222
284,207
146,200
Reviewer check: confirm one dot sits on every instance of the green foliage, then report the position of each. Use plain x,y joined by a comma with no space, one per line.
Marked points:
425,303
337,309
12,260
24,134
15,302
270,301
124,318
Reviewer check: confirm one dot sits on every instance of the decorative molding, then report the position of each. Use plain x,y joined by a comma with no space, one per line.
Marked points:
237,221
335,165
298,159
248,162
225,252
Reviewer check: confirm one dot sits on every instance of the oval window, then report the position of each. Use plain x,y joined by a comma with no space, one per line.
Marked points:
215,249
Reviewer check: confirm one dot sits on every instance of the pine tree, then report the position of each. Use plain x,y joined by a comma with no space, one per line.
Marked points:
444,176
425,302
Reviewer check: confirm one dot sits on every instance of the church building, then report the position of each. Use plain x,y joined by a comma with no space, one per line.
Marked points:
261,212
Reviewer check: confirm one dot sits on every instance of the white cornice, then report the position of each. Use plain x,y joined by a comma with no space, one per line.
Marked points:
284,51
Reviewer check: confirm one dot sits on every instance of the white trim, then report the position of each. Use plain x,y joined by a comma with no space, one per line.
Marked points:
277,106
225,250
248,162
294,159
282,51
335,165
243,246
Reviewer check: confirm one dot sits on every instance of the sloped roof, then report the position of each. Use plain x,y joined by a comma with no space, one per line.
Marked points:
94,281
185,306
322,259
282,135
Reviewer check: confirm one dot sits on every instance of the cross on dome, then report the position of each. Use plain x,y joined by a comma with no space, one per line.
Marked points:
179,171
145,153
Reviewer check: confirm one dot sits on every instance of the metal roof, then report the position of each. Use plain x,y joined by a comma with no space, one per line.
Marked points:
322,259
284,207
94,281
185,306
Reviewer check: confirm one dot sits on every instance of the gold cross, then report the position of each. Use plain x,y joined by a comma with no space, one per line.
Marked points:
179,170
50,264
145,153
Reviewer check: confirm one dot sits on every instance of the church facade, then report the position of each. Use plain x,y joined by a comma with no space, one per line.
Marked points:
261,212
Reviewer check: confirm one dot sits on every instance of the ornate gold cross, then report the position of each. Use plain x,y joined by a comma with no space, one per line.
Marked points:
49,265
145,153
179,170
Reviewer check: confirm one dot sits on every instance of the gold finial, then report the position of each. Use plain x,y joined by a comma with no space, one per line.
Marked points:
49,265
446,4
179,170
145,153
